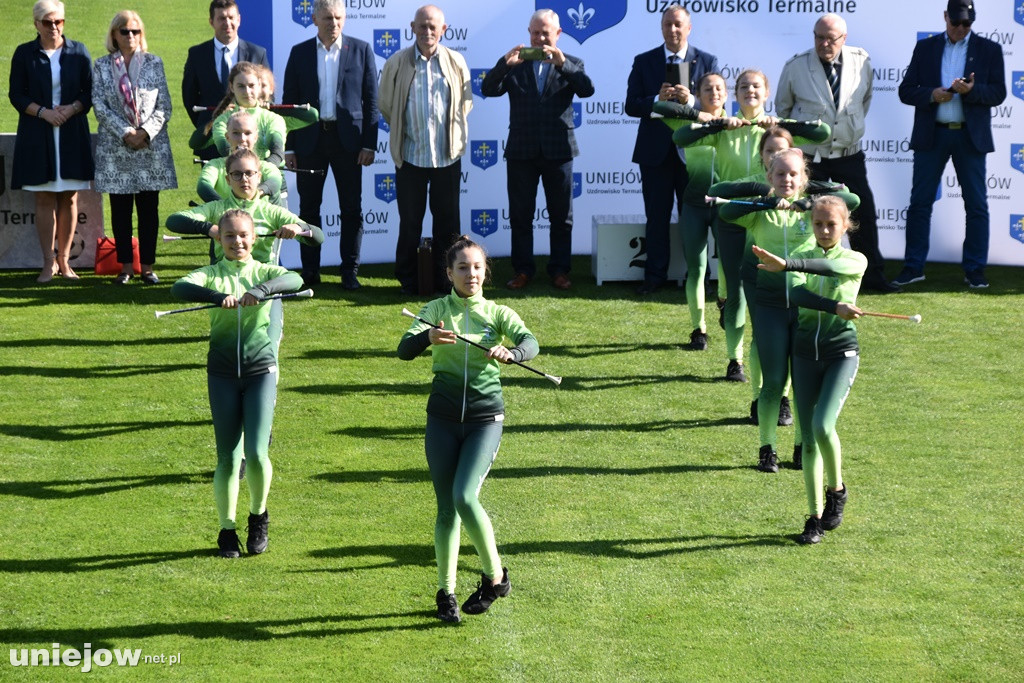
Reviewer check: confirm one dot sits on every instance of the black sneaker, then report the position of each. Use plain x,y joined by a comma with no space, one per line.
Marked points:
785,413
256,540
812,531
241,470
228,543
753,411
447,607
486,593
721,313
698,340
798,456
975,279
734,373
835,501
908,276
767,459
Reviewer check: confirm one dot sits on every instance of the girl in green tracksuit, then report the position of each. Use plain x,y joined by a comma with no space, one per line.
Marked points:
824,285
241,372
777,222
213,182
465,413
735,141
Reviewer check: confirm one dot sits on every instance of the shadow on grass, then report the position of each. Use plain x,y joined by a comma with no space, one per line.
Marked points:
91,430
620,548
414,431
98,563
374,389
246,631
103,343
98,372
413,476
77,488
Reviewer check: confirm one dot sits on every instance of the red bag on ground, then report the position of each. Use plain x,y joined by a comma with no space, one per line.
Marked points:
106,257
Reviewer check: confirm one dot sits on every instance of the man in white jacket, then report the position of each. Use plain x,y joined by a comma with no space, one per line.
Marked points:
832,82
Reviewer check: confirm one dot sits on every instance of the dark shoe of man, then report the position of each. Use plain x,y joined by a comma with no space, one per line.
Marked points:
975,279
908,276
561,281
227,543
767,459
785,413
879,285
410,290
734,372
798,456
698,340
648,287
310,279
812,531
519,281
350,281
256,540
753,412
835,501
447,607
486,593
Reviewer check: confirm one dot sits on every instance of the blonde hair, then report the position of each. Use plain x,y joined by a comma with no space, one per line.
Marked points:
121,20
267,84
791,152
831,200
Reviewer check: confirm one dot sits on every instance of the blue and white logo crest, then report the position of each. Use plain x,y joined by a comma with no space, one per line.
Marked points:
1017,227
384,187
1018,12
383,125
302,12
1017,157
577,114
483,221
483,153
387,41
1017,83
476,77
577,185
583,18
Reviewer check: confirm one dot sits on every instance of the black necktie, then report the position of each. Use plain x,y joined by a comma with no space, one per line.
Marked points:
833,83
224,68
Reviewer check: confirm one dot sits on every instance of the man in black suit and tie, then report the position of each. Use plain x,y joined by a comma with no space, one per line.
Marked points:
207,66
541,82
337,74
953,81
663,174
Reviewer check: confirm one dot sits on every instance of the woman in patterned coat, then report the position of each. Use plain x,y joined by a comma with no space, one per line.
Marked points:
133,151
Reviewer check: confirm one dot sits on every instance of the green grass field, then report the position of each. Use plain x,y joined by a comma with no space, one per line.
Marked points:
642,544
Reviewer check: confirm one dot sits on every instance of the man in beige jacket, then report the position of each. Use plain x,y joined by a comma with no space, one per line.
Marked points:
425,96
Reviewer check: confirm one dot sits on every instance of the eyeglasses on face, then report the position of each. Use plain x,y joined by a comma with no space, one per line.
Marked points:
130,32
238,175
966,23
52,23
828,40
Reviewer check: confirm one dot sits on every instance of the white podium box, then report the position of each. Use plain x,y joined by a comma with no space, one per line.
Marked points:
618,249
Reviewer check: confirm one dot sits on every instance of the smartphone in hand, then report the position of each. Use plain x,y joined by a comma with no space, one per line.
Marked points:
533,54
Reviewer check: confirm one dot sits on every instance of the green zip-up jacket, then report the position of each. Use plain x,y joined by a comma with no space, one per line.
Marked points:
213,181
267,217
820,280
239,344
272,133
466,386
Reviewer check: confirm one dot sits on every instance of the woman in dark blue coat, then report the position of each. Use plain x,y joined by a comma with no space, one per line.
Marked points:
51,86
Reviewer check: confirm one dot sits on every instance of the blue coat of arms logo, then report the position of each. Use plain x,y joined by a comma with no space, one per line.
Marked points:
1017,157
483,221
384,187
302,12
476,77
583,18
1018,12
1017,227
577,114
1017,84
387,41
577,185
483,153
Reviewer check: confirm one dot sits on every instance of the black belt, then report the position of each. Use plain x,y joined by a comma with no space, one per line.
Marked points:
956,125
328,125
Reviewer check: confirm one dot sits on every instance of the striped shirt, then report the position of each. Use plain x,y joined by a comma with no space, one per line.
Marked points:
426,142
954,61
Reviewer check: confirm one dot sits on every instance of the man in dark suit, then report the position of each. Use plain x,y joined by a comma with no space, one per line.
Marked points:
337,74
663,174
541,82
953,81
208,64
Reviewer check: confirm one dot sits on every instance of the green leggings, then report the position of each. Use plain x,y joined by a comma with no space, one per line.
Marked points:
773,330
243,413
821,388
694,222
459,455
732,242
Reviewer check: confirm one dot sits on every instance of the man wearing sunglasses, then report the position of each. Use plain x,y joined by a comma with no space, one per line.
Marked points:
953,81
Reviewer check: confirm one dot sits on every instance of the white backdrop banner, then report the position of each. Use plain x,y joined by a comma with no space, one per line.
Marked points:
607,34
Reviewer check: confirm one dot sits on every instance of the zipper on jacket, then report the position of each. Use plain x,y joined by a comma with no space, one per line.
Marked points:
238,331
817,332
465,365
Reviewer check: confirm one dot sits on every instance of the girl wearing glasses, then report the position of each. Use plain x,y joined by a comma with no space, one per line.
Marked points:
51,86
133,151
